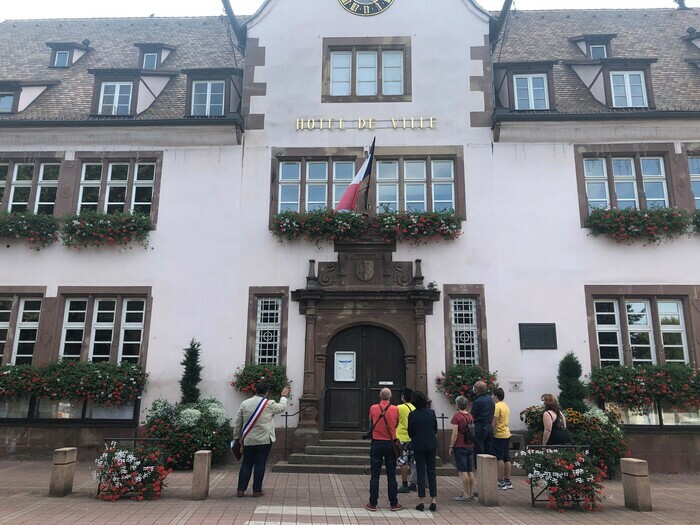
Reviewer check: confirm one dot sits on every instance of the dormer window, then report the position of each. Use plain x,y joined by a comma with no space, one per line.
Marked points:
530,92
7,102
62,59
208,98
115,98
150,61
597,51
209,91
628,89
65,54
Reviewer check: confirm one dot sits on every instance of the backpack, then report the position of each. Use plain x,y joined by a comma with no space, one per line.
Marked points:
469,431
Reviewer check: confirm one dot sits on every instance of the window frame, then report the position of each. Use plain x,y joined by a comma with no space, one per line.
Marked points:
675,168
14,93
429,155
37,160
225,75
694,179
377,45
144,54
465,291
59,52
267,292
209,83
655,294
627,85
627,66
105,160
590,45
530,90
117,82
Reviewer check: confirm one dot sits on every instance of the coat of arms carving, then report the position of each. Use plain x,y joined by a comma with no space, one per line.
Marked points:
364,270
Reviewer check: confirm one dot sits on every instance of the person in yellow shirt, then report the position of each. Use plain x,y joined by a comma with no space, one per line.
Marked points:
501,439
406,461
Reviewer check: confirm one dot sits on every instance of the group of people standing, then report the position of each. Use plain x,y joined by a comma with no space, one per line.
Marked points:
405,436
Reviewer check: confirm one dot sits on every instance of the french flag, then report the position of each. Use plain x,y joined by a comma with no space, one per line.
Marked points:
349,198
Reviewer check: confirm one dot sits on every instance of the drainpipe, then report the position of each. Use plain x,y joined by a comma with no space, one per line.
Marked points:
681,4
502,17
237,29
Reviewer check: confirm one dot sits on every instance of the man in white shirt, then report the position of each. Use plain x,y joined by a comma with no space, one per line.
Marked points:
257,443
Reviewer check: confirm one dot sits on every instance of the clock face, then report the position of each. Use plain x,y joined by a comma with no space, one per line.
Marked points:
365,7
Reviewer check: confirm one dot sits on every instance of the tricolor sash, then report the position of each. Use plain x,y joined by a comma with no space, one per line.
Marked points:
253,419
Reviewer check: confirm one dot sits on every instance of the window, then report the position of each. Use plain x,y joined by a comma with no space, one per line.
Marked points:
268,330
115,98
366,70
21,188
7,102
27,331
47,188
5,315
531,92
119,186
61,59
98,328
628,89
465,325
639,327
465,330
267,322
622,190
693,168
597,51
32,186
4,169
208,98
150,61
420,181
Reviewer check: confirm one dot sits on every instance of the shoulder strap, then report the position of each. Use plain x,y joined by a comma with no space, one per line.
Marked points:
385,421
254,418
373,423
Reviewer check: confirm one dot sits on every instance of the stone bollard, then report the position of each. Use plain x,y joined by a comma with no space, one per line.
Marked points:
487,472
63,471
200,474
635,484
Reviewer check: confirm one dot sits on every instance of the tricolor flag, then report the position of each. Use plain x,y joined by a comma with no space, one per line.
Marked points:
349,198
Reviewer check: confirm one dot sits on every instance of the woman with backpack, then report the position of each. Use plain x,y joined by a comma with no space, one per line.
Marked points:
462,446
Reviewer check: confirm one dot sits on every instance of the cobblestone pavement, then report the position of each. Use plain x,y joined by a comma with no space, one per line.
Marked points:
314,499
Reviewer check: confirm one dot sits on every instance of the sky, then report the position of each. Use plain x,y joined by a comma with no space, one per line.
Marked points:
13,9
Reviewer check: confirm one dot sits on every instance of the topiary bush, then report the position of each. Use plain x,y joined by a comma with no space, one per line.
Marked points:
188,428
573,391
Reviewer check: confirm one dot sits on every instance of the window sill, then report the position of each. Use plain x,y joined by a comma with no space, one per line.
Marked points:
360,99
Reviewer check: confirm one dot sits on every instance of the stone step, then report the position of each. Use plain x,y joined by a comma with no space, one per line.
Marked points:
337,459
296,468
337,443
336,451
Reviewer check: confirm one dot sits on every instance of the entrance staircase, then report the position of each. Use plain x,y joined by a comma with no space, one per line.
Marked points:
339,456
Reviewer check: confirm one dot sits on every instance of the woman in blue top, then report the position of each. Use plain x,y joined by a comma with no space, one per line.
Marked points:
422,428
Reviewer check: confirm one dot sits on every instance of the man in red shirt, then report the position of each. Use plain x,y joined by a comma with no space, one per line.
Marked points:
383,418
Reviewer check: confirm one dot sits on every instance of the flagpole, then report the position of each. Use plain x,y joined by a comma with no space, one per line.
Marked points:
369,178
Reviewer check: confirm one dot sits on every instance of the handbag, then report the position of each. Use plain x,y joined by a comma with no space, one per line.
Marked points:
395,443
236,448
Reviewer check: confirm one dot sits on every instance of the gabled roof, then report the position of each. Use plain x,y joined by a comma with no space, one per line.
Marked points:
639,33
199,42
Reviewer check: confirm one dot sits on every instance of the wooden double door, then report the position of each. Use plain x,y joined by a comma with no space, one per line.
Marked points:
361,361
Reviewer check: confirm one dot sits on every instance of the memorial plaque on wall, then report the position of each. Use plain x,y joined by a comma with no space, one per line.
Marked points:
538,336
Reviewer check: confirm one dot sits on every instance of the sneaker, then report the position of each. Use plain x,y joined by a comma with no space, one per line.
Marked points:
413,487
370,507
508,485
502,485
475,494
404,490
472,497
462,497
397,507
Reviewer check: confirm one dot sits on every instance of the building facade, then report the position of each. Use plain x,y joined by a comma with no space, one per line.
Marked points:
521,136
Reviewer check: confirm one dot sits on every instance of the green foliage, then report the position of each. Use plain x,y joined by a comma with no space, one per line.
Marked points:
572,390
628,225
92,228
191,376
39,230
317,225
108,384
601,431
189,428
572,478
459,381
250,374
696,220
330,225
419,227
639,388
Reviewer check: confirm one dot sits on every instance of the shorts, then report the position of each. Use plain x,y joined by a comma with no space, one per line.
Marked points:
464,459
501,449
406,457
